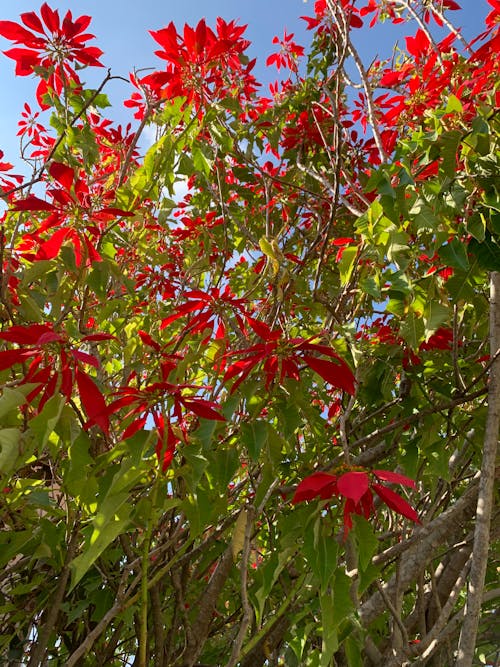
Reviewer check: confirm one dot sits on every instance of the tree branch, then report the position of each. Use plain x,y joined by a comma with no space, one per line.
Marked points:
467,641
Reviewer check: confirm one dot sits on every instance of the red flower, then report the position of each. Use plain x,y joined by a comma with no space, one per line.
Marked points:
288,54
55,365
281,357
356,488
202,65
73,201
52,47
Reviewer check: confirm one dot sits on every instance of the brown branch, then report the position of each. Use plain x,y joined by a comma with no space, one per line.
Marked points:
54,607
467,641
38,175
425,647
206,606
247,608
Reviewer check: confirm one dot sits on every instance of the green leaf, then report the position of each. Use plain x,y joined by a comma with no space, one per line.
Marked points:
43,424
454,254
321,551
10,400
330,641
449,142
254,436
371,287
476,226
435,315
487,253
347,263
223,466
454,104
352,647
10,439
412,330
111,520
423,218
366,540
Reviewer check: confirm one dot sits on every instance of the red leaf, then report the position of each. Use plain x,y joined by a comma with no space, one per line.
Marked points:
50,17
25,334
85,358
180,311
50,248
395,477
16,32
394,501
135,426
338,374
32,203
320,484
353,485
32,21
25,60
242,368
63,174
10,357
202,408
148,340
92,401
262,329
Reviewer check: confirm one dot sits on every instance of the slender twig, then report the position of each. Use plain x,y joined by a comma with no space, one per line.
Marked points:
394,613
246,606
39,174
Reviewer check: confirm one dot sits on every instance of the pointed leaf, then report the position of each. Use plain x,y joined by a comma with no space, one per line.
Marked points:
337,374
353,485
318,484
394,501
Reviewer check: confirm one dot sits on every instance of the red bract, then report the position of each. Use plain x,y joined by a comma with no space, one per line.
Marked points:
280,358
5,182
355,488
55,366
202,65
288,53
52,45
165,403
213,307
78,213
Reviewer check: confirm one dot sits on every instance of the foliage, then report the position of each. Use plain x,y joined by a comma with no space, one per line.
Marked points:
249,372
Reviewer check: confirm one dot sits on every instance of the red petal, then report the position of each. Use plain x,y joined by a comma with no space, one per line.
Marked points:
25,60
338,374
32,203
181,310
15,32
353,485
25,334
148,340
92,401
394,501
63,174
395,477
262,329
50,248
50,17
10,357
85,358
202,408
32,21
135,426
318,484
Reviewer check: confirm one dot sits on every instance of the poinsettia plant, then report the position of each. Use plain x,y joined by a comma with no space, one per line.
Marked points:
249,373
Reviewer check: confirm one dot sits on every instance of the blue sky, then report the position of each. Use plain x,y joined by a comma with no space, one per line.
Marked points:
122,28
